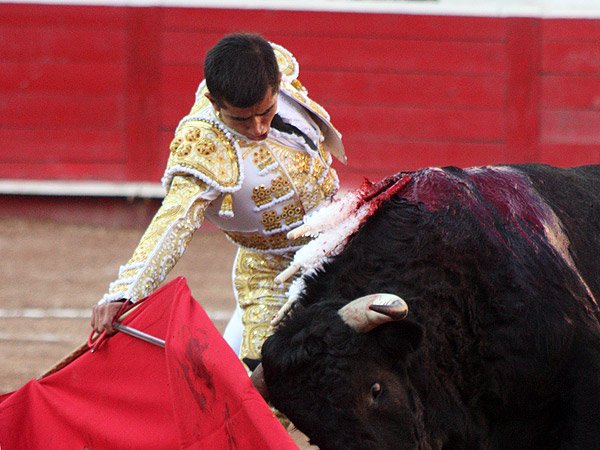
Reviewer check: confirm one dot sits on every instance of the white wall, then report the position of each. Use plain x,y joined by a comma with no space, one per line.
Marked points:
500,8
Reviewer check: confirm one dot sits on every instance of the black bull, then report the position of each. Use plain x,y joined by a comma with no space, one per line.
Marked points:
500,270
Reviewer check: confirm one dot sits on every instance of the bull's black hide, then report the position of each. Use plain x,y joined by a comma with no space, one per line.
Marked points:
500,268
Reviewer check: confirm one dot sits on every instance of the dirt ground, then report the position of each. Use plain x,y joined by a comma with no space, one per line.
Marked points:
52,274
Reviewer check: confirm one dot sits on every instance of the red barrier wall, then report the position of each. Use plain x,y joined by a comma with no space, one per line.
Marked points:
94,93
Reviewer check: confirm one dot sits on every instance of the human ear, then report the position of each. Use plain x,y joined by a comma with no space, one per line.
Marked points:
213,101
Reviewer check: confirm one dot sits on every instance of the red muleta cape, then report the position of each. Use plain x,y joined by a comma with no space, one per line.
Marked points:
130,394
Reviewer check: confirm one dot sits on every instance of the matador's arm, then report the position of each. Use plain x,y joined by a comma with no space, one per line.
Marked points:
165,240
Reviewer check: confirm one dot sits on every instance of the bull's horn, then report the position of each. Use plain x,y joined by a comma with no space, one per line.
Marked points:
366,313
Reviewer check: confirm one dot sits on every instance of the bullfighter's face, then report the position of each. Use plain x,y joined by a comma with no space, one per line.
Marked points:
253,122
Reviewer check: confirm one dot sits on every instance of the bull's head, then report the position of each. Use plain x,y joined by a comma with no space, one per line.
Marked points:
340,373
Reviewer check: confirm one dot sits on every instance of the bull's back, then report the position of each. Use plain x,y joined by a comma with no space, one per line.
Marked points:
573,194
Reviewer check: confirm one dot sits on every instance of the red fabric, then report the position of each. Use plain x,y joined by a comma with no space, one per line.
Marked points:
131,394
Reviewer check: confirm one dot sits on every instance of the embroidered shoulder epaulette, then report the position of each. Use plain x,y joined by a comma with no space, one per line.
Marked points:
289,68
203,149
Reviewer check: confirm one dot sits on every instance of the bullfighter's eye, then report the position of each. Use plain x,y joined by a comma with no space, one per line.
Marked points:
376,391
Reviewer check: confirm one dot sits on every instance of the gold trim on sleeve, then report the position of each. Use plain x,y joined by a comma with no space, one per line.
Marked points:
164,241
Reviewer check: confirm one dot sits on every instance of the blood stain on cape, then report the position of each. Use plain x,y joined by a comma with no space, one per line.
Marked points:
197,374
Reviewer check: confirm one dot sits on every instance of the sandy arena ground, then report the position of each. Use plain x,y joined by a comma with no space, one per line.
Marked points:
52,274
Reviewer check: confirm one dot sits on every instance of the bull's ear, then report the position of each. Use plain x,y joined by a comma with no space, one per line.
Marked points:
400,338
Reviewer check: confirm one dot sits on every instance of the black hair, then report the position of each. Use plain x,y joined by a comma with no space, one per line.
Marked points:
239,70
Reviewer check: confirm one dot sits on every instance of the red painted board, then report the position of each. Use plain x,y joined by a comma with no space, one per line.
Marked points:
581,58
569,155
142,108
74,78
332,24
62,146
61,45
61,112
570,92
434,90
571,30
410,155
522,101
440,124
82,17
570,127
370,55
386,89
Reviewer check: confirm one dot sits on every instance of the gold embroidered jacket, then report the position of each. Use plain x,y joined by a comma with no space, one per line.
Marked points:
254,191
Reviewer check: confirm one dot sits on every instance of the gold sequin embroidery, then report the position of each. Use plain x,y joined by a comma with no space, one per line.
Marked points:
280,189
258,295
302,162
313,181
292,213
262,158
280,186
206,147
296,83
261,195
205,151
271,220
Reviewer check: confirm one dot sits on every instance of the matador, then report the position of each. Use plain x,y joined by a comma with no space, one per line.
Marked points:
255,191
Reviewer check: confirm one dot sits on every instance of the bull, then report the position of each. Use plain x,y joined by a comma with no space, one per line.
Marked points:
463,314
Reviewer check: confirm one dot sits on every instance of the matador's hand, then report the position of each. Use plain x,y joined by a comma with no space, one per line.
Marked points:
103,316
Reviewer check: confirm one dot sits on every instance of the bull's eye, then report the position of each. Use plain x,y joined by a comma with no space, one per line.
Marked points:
376,391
